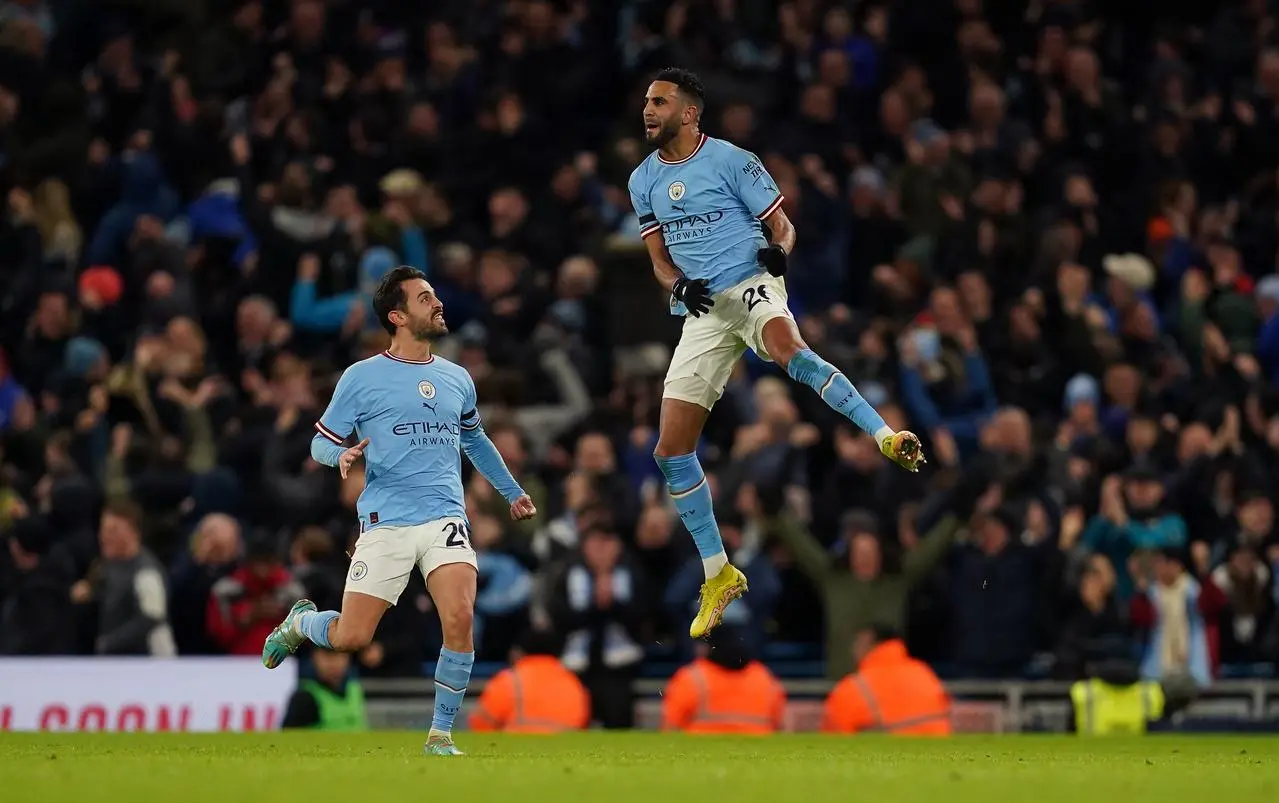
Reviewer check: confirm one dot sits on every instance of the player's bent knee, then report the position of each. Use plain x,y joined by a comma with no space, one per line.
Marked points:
457,622
782,340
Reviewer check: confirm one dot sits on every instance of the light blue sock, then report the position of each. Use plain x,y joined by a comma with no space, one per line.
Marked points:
315,626
692,494
452,673
835,390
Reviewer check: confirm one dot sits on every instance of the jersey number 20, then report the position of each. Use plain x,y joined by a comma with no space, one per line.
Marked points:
457,535
754,296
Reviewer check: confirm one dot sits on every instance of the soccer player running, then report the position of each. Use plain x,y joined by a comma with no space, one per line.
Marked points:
709,201
413,411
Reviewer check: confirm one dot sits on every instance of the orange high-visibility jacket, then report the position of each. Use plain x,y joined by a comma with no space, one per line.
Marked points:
704,697
536,695
891,693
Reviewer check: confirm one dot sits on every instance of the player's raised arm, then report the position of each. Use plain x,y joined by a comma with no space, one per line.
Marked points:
479,449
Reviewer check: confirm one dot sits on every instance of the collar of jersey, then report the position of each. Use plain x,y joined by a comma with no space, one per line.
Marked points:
696,150
410,362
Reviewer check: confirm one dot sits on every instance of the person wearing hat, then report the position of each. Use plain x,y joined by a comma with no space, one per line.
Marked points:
1177,614
1081,403
35,606
1132,522
333,700
1131,277
1267,348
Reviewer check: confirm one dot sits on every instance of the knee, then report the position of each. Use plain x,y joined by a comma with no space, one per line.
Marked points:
457,622
783,341
785,350
669,447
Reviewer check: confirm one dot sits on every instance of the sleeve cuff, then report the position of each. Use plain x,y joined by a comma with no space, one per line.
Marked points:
771,208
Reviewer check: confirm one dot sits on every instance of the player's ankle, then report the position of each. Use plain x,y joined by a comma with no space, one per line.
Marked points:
714,564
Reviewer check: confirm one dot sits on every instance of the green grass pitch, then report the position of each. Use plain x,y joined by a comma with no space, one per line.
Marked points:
633,768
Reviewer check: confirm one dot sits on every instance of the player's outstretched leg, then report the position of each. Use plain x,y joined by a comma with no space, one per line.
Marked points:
302,622
787,348
452,587
681,425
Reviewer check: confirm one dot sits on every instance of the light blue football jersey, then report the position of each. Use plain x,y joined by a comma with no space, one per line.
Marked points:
709,208
413,414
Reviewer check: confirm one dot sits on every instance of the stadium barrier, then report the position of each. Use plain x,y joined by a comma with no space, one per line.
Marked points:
142,694
980,706
237,694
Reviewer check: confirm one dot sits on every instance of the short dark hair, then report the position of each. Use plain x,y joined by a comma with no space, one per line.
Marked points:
389,295
125,509
690,86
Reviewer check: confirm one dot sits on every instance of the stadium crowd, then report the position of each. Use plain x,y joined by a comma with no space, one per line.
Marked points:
1043,236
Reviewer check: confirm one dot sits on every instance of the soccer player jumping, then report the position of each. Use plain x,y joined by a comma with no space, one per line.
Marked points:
415,413
710,200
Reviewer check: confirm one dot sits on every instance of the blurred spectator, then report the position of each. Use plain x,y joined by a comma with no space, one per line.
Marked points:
1093,621
216,548
598,604
890,692
995,592
749,615
856,588
127,586
332,701
1132,523
536,694
504,590
35,610
246,605
724,690
1177,614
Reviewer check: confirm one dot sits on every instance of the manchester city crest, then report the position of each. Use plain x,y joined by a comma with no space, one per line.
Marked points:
426,389
676,190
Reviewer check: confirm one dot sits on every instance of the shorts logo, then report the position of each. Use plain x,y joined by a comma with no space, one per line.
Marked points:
676,191
358,570
426,389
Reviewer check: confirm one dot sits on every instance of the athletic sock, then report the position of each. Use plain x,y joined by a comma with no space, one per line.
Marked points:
692,494
315,626
452,674
836,391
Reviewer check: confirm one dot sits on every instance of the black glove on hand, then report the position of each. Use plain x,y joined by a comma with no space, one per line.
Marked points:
695,295
774,259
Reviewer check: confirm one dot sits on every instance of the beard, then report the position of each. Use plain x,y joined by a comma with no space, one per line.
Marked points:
429,328
662,136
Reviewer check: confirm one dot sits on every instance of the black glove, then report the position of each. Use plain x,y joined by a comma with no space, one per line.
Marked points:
695,294
774,259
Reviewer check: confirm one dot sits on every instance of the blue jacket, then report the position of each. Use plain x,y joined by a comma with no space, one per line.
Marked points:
311,313
963,413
